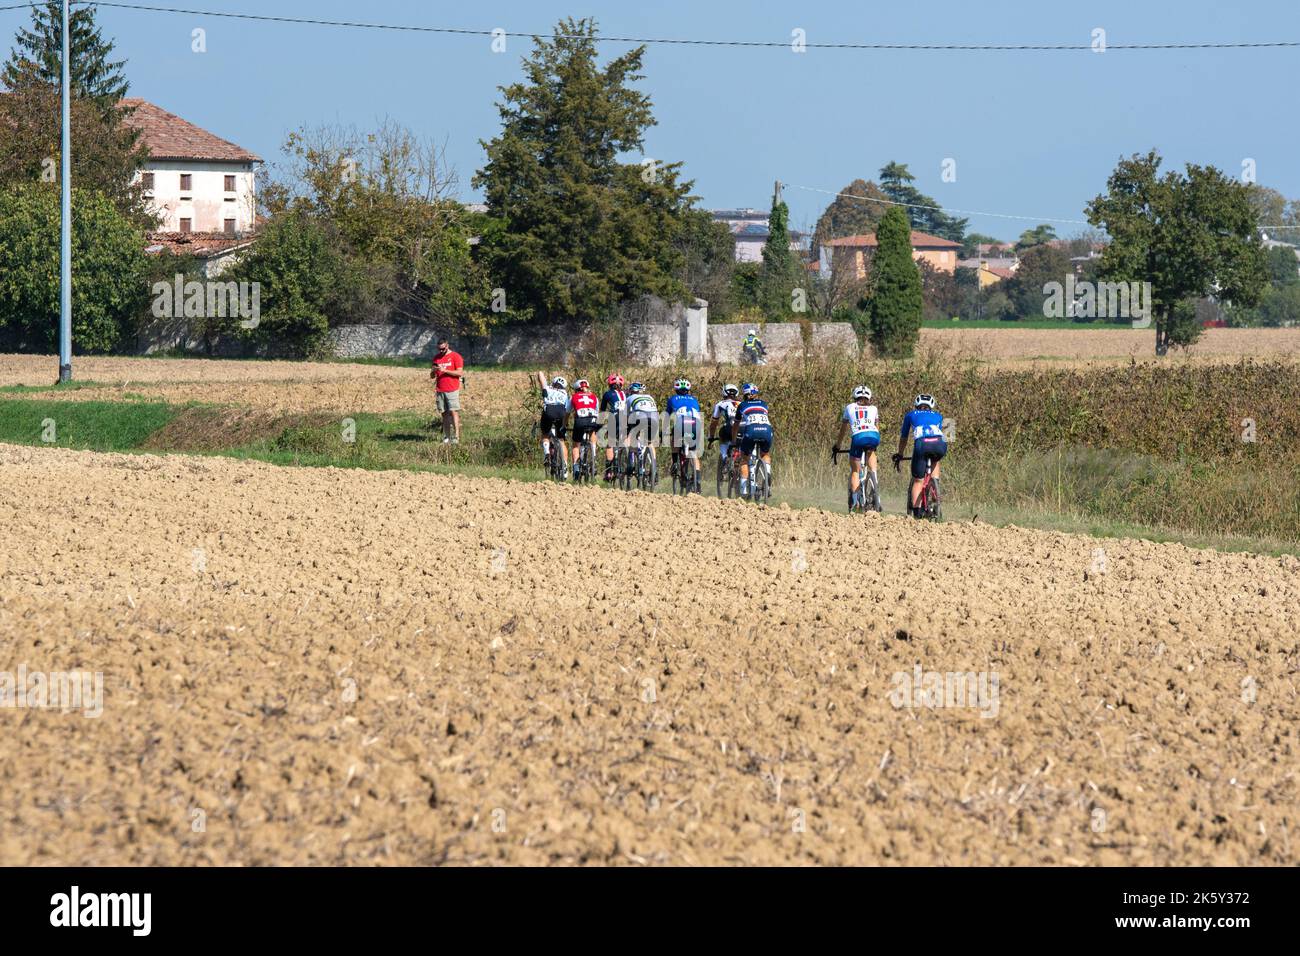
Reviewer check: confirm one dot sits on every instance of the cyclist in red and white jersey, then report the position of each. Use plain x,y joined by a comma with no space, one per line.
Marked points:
584,406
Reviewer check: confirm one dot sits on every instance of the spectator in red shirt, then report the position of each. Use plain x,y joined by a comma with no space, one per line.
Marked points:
448,372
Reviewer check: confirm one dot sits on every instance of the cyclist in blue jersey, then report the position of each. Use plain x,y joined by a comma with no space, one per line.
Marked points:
686,421
924,425
754,429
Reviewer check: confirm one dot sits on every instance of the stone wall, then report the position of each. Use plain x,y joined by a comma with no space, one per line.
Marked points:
650,332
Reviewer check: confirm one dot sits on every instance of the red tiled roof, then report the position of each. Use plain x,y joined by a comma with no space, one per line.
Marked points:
167,136
1000,272
204,245
920,240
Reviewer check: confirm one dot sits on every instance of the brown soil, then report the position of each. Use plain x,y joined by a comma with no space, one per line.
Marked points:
336,666
281,387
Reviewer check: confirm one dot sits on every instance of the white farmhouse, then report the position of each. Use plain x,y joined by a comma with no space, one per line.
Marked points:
196,181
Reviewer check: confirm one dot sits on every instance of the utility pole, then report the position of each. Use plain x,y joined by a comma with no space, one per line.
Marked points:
65,243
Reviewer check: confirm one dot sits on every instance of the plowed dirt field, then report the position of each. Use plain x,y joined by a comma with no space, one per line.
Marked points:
333,666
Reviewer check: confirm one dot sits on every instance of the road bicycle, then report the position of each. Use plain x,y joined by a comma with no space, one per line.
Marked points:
760,478
553,464
685,476
643,468
928,498
867,497
728,480
586,462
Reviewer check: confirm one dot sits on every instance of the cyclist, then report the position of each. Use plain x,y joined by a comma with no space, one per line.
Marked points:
685,420
751,350
642,419
925,426
864,420
613,406
555,414
755,431
584,406
723,422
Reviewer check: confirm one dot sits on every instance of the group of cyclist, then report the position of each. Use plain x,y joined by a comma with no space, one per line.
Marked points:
740,421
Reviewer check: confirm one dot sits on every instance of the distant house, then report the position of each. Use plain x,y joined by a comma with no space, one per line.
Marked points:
213,251
749,228
991,271
195,181
852,254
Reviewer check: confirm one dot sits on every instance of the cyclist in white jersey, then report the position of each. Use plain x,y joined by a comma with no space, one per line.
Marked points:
862,420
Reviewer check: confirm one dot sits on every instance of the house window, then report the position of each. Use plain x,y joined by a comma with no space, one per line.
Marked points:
230,184
187,225
187,182
230,227
147,180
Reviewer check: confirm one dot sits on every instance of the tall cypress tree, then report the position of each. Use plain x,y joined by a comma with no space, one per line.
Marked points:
37,56
781,273
895,305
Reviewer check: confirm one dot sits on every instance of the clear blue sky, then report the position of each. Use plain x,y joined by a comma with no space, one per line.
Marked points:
1032,133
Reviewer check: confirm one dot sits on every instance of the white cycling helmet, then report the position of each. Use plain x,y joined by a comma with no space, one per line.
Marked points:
730,391
924,401
582,383
682,385
560,382
751,332
862,392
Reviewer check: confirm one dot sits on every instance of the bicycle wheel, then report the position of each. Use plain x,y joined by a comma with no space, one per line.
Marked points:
675,473
934,504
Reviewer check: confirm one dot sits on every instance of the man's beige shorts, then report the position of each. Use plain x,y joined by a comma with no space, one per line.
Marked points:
449,401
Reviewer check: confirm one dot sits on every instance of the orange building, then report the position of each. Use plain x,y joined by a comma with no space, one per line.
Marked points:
853,253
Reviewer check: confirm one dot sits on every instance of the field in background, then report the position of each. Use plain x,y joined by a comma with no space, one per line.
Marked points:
1188,448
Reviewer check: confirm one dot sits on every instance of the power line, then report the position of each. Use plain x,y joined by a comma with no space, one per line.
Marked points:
680,41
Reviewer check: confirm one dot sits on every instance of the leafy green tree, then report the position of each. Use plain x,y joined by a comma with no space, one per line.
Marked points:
108,270
896,305
1283,265
1037,236
301,276
1278,216
37,57
854,212
745,284
580,230
106,151
782,272
1280,303
402,241
1189,235
971,242
896,182
708,261
1039,265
